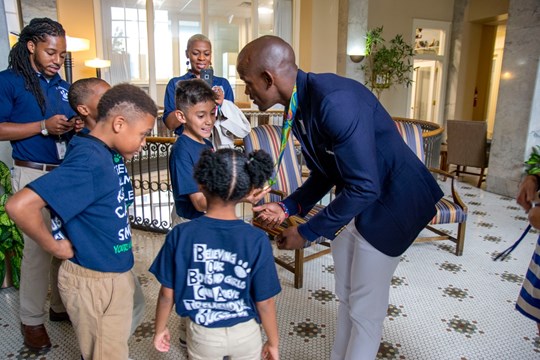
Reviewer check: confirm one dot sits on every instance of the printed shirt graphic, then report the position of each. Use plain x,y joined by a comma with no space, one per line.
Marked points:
58,230
91,193
218,270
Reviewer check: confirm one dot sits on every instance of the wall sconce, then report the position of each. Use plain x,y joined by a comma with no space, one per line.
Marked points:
13,38
73,44
356,58
98,64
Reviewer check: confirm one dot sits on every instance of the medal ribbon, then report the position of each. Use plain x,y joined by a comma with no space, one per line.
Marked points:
288,118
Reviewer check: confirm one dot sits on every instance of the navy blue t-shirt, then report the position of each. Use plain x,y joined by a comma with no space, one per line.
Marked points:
87,193
184,155
170,93
19,105
218,270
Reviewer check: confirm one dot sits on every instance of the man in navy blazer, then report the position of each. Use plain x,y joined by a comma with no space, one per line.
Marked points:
384,194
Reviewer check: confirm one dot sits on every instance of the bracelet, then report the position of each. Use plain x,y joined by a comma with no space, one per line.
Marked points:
284,208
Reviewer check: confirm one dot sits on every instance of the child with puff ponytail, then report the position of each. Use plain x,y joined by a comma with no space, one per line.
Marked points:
218,270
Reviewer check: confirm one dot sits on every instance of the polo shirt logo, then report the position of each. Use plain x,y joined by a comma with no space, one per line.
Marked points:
63,93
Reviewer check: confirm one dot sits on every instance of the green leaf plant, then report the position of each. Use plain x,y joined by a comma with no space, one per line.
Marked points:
386,65
533,163
11,239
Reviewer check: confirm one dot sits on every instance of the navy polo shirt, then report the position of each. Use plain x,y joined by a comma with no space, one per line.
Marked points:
19,105
169,103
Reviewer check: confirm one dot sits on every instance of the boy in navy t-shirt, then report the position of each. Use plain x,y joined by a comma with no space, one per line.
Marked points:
87,193
196,111
84,96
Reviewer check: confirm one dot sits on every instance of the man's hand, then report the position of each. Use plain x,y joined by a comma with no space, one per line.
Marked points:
63,250
58,124
527,192
290,239
270,214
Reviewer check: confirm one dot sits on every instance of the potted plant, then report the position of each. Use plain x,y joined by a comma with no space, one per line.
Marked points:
533,163
11,239
385,64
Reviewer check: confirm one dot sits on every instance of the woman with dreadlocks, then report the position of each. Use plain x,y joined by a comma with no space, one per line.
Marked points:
34,113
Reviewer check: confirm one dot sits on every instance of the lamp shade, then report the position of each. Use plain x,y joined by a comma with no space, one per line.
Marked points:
12,39
98,63
74,44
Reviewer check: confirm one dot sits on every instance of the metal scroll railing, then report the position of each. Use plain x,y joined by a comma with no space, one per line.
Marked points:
149,170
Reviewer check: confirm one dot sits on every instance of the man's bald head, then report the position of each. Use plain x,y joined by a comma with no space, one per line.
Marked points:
267,53
268,67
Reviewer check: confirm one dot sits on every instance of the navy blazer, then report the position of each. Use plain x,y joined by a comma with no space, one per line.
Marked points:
350,141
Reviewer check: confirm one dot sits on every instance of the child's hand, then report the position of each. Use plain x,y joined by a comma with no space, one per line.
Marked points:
257,194
270,214
270,352
63,250
162,341
78,124
527,192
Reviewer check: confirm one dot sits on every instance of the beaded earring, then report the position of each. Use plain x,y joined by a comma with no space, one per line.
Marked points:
187,66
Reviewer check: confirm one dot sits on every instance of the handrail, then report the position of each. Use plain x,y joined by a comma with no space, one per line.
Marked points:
429,128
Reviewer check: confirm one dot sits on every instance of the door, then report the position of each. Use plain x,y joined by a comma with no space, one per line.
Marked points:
426,95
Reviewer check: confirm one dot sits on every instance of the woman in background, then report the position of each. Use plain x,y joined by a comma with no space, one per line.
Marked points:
199,53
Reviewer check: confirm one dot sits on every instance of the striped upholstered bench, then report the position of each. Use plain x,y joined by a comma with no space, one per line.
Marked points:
450,209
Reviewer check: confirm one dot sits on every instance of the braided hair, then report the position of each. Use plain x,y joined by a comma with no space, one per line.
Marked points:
230,174
19,59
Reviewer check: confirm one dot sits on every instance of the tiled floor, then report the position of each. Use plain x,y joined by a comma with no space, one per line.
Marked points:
441,306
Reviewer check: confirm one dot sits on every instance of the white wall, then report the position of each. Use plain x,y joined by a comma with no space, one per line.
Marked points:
318,36
324,36
399,20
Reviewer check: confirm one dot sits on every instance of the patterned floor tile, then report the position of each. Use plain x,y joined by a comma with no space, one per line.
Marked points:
441,306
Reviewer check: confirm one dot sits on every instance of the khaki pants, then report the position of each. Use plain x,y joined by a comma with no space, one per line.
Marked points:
240,342
100,306
138,305
38,267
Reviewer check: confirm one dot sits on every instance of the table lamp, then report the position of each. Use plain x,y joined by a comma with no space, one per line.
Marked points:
73,44
98,64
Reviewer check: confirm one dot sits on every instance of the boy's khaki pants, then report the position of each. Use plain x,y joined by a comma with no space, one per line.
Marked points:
100,306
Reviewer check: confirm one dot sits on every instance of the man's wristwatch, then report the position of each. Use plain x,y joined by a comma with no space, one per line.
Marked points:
44,130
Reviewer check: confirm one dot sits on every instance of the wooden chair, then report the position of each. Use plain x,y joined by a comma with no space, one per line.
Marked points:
450,209
288,178
467,146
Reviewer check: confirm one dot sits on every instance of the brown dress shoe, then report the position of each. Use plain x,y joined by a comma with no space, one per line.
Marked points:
58,316
35,337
